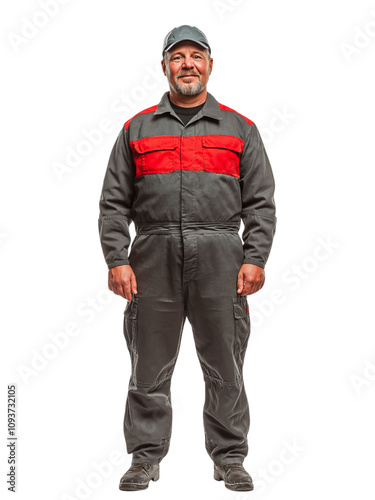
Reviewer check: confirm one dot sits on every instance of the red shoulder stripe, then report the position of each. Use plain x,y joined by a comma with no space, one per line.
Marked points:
225,108
148,110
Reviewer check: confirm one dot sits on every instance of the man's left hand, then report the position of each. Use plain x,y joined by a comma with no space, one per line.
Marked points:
250,279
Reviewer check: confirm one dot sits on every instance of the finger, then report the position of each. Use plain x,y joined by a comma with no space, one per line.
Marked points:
240,283
255,287
115,288
133,282
126,292
260,283
245,288
252,288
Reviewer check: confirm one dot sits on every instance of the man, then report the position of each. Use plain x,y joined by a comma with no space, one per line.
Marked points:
185,172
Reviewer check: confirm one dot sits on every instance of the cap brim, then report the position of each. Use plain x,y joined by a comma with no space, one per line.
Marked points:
205,46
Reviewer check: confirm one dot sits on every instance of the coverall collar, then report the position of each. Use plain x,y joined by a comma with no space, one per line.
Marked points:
211,107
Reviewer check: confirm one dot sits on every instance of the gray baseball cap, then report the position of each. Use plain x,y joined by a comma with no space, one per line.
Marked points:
185,32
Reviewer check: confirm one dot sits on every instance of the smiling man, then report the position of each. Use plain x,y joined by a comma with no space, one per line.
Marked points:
187,67
186,171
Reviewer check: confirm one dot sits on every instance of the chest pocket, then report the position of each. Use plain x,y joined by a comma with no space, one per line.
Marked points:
155,155
222,153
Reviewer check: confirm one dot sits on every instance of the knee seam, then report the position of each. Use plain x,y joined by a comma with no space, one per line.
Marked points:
157,382
238,381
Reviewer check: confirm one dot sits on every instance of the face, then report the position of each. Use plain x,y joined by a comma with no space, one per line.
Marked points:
188,68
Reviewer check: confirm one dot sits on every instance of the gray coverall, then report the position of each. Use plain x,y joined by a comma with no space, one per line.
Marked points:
186,188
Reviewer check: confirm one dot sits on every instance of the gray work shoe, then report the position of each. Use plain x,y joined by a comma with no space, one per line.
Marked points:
234,476
138,476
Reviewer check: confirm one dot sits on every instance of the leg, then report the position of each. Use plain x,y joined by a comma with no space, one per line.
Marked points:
153,325
153,330
221,328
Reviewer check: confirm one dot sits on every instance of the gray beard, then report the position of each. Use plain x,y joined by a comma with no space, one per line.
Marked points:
188,90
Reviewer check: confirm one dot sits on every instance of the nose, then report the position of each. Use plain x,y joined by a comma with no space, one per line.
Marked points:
188,62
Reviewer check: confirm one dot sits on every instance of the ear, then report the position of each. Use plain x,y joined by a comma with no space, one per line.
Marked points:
211,64
163,67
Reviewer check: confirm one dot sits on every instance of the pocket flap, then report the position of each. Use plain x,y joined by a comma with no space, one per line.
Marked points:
240,307
223,142
158,143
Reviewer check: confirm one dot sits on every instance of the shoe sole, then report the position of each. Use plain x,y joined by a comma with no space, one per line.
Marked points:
137,486
245,486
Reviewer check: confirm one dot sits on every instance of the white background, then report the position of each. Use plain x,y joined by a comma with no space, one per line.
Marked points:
310,364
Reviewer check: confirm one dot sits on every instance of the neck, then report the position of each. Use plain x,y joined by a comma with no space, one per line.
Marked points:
188,101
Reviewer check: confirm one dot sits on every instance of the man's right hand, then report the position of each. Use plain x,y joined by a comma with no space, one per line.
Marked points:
121,281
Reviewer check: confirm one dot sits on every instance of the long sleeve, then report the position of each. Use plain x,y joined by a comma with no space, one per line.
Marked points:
258,205
116,203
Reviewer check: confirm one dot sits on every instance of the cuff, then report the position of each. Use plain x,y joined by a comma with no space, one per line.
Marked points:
118,263
258,263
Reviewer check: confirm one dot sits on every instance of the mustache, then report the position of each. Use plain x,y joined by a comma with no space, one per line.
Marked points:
187,74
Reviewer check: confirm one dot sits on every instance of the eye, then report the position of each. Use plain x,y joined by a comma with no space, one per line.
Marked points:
197,57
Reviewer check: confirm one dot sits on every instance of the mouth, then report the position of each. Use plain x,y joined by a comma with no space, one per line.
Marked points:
186,76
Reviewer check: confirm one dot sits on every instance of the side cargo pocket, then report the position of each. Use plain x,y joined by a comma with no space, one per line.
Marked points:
130,333
241,326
